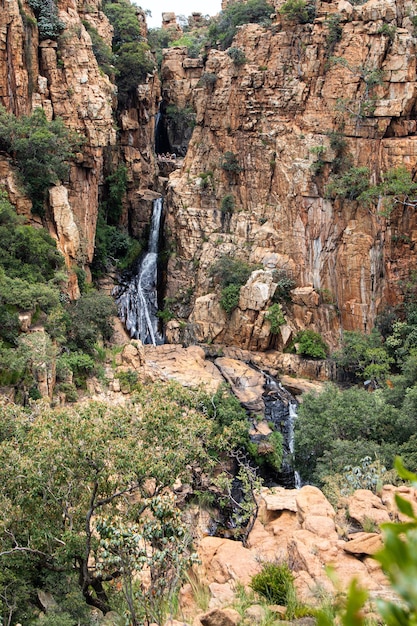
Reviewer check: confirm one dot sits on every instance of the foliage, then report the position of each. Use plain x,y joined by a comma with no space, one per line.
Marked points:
112,247
28,253
349,185
101,50
275,317
132,58
133,63
275,582
115,189
389,30
229,271
208,79
334,34
237,55
193,41
228,204
396,188
229,163
223,29
41,150
285,283
66,474
229,298
90,321
338,428
268,452
49,24
363,356
299,11
158,543
311,344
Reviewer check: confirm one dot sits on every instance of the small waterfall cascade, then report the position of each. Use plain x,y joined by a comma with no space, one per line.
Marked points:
281,410
138,297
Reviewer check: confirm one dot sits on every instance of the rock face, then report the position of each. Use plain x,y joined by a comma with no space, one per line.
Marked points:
64,79
279,113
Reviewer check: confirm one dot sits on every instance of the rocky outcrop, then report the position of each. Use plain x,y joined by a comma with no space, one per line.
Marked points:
276,113
301,528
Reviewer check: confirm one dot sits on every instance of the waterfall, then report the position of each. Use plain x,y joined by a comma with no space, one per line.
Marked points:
138,297
281,410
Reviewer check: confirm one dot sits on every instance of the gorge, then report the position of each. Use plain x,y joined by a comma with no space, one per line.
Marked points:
243,189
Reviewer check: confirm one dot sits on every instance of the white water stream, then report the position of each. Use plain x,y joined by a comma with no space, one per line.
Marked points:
138,299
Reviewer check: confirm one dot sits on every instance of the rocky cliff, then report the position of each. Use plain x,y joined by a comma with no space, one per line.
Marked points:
62,76
284,114
305,98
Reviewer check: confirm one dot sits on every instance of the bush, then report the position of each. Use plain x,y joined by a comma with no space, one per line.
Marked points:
285,283
41,149
90,321
229,271
208,79
229,163
349,185
237,55
101,50
133,63
229,298
228,204
298,11
311,344
275,317
275,582
223,29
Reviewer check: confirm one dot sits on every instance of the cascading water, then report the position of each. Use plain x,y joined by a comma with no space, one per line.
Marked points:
138,298
281,410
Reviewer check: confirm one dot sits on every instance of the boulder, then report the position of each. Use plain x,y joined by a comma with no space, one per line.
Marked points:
224,560
364,505
220,617
246,382
363,543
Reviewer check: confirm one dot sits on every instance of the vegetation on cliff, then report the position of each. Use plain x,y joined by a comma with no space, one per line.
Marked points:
41,150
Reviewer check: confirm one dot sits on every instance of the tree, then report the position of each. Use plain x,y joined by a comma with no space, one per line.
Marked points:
76,480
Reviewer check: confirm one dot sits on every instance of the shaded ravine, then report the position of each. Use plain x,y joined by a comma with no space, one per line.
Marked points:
137,298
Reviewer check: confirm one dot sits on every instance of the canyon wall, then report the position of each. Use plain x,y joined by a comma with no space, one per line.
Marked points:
62,76
279,113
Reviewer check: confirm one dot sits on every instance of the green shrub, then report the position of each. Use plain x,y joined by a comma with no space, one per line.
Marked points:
223,29
41,150
349,185
46,12
132,58
275,317
115,189
298,11
268,452
133,63
229,271
229,163
229,298
275,582
69,390
334,34
311,344
237,55
101,50
285,283
208,79
228,204
90,321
